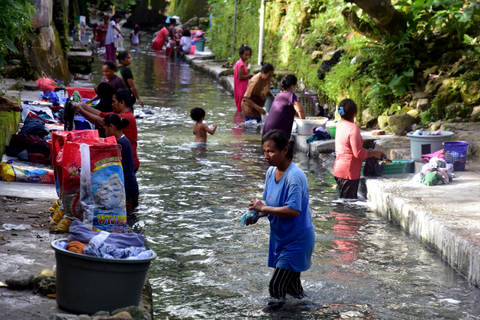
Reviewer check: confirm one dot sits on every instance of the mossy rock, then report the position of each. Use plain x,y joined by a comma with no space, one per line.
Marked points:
457,110
400,124
470,93
382,122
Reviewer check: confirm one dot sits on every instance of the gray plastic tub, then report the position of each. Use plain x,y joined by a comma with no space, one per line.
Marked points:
88,284
427,144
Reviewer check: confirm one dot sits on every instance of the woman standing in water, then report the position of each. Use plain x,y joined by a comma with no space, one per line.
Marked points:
349,151
284,107
257,91
292,236
241,76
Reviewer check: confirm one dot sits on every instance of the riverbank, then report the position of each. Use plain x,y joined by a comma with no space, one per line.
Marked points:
443,217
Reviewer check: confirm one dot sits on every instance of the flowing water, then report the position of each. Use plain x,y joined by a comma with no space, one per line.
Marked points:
208,267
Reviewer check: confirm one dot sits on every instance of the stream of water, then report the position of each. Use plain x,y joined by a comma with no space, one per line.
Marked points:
208,267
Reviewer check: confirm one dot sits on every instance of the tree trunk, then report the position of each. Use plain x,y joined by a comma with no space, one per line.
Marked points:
387,19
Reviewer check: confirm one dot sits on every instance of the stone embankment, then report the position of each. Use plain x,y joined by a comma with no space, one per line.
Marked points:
443,217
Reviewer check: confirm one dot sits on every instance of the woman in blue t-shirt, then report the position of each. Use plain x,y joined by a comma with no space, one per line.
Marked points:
292,236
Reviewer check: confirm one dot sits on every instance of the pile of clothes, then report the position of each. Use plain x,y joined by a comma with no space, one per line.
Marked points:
104,244
427,133
436,171
319,133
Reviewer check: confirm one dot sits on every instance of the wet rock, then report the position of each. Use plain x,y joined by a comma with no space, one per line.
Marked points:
38,279
382,121
400,124
47,285
100,314
432,70
61,316
475,113
20,281
423,105
470,93
84,317
133,311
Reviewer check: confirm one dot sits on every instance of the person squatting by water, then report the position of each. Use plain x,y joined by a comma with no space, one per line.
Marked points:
284,108
122,104
200,129
113,33
349,151
108,70
241,76
292,235
125,59
257,91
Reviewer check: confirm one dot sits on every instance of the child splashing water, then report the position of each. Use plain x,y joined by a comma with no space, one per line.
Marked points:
241,76
200,129
114,126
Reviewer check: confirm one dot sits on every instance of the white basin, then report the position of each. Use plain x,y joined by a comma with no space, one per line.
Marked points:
306,126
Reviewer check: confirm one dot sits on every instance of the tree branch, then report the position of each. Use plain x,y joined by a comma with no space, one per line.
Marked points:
358,25
384,14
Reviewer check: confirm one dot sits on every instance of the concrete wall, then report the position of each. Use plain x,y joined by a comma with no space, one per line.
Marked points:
44,14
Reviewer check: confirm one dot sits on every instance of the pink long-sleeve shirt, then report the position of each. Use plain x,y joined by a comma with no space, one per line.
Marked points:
349,151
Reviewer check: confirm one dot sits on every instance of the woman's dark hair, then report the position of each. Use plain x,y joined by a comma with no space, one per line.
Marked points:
122,55
116,16
116,120
288,81
267,67
123,95
137,28
173,21
166,25
197,114
105,90
112,65
347,109
244,48
281,141
186,33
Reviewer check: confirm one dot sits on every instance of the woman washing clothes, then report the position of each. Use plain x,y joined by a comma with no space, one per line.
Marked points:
292,236
349,151
122,102
257,91
241,76
284,107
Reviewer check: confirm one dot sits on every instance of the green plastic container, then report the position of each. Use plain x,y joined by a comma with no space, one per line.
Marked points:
88,284
398,166
333,130
200,45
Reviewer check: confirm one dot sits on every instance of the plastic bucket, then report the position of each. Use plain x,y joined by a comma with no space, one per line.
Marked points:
84,92
427,144
333,130
268,104
200,45
88,284
456,153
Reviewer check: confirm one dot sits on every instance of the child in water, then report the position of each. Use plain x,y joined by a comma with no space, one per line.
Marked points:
241,76
200,129
114,127
135,37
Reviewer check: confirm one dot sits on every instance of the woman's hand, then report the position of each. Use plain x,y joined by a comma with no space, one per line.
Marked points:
253,221
77,106
256,205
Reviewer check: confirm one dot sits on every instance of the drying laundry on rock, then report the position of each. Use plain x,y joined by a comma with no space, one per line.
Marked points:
436,171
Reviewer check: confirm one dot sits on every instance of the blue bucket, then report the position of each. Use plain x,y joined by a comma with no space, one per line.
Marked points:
456,153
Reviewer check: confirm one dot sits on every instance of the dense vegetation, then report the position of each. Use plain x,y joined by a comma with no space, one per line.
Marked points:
15,22
380,68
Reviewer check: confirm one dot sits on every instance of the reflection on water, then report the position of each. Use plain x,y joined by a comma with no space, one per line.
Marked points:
208,267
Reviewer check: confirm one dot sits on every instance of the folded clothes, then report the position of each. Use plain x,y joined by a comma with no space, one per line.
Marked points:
250,214
102,250
80,232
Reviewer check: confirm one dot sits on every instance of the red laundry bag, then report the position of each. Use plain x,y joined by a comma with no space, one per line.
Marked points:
46,84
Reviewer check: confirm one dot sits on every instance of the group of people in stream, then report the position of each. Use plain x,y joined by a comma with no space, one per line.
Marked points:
174,38
285,198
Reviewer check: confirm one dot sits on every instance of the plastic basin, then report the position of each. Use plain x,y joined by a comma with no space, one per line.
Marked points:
84,92
88,284
200,45
398,166
427,144
306,126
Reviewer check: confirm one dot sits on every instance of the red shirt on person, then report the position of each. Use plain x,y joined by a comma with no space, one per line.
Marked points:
130,132
349,151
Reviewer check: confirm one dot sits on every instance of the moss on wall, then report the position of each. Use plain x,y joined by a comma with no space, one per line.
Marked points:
9,121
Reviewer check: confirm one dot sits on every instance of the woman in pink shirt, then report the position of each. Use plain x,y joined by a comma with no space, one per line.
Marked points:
349,151
241,76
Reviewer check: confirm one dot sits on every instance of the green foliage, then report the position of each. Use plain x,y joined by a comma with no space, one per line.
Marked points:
15,23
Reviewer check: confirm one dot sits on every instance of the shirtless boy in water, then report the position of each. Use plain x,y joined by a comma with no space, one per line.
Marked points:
200,129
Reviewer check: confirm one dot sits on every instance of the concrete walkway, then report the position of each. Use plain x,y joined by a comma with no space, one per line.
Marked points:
446,218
